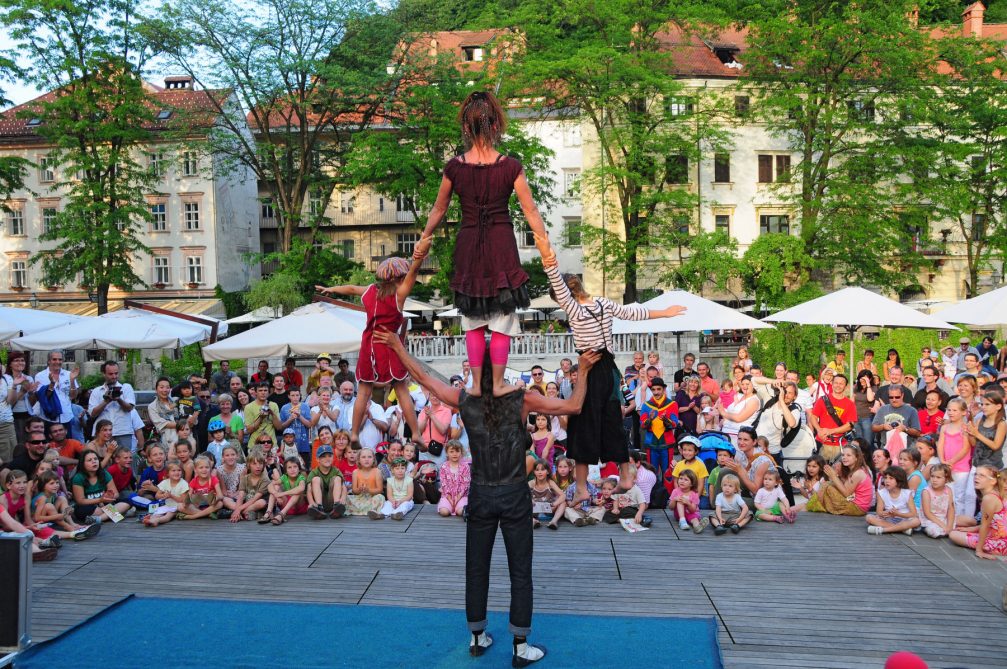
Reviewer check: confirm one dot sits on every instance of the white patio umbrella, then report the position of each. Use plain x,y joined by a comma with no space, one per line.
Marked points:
309,330
260,315
128,328
15,321
701,314
854,307
988,310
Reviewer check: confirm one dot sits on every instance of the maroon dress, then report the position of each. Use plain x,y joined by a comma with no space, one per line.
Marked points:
378,363
488,278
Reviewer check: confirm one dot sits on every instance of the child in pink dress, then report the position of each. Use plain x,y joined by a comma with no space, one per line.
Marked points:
455,478
383,303
684,502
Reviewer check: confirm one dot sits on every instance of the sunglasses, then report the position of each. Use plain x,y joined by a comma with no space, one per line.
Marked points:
268,441
37,441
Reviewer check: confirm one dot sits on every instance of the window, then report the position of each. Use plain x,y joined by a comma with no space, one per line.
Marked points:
677,170
722,223
155,162
48,219
190,212
678,106
862,111
527,237
348,251
571,134
164,115
159,220
194,269
404,203
405,242
681,223
33,122
571,182
315,206
190,165
768,162
19,274
46,170
722,168
162,272
916,227
774,223
346,203
571,233
741,105
473,54
381,204
266,211
978,227
15,223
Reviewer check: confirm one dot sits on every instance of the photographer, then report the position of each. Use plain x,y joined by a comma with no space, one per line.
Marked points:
261,415
113,401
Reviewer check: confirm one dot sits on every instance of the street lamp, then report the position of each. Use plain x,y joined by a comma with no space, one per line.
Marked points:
33,301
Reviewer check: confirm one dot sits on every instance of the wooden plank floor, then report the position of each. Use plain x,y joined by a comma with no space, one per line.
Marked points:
819,594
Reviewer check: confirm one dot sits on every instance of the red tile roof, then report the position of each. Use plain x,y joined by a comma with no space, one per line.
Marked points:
189,109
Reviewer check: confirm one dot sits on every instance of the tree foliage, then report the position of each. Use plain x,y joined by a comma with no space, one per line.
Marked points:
90,54
13,169
280,291
822,73
773,265
611,63
712,261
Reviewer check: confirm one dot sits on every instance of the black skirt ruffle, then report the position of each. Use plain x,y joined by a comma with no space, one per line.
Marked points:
507,301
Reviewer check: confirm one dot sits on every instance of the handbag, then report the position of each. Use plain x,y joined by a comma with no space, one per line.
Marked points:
435,448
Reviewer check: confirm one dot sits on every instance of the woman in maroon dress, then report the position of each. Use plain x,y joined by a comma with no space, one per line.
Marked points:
488,281
377,363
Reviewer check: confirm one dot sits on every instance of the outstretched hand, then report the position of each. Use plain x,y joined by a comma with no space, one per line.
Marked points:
323,290
670,312
587,360
385,336
422,248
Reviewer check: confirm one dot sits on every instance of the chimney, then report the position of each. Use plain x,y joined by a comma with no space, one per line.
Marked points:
178,83
972,20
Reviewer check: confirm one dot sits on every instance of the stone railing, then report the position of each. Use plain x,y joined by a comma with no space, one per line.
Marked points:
530,345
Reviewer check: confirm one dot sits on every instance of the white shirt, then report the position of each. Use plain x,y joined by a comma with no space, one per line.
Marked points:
62,391
136,423
121,423
6,412
324,420
370,436
464,436
345,407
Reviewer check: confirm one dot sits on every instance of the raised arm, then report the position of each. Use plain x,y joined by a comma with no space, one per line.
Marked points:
420,252
439,209
341,290
446,393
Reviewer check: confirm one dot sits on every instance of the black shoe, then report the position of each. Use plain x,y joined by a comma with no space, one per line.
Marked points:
224,514
647,521
477,648
317,512
735,528
526,653
338,511
720,530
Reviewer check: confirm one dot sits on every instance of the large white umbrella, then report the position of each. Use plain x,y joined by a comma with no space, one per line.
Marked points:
854,307
260,315
128,328
310,330
15,321
701,314
988,310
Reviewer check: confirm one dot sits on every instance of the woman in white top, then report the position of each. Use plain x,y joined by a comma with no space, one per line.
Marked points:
559,423
742,411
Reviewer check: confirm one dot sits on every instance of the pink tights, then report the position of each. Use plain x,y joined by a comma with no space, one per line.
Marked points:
475,346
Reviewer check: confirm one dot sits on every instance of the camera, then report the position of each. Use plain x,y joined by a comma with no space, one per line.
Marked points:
115,392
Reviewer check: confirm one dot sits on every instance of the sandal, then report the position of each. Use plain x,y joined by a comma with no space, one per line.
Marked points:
278,519
535,524
554,526
266,518
45,555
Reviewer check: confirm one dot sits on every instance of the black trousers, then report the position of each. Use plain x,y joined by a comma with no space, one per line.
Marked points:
509,507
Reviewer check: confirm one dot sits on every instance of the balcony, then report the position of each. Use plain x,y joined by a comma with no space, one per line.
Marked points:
268,223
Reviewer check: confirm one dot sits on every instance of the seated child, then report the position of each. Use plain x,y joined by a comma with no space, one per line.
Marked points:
814,474
771,503
253,489
629,504
937,515
589,512
154,472
730,509
400,492
563,476
286,495
182,435
183,453
709,419
49,506
910,459
15,502
366,498
688,447
455,478
713,483
172,493
684,502
548,502
204,497
229,471
896,511
326,492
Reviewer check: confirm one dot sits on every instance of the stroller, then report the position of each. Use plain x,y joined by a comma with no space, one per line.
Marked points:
710,443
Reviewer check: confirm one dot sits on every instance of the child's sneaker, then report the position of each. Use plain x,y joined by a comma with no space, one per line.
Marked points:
86,532
316,512
224,514
397,515
647,521
374,515
874,529
526,653
735,528
682,524
580,522
338,511
479,643
908,532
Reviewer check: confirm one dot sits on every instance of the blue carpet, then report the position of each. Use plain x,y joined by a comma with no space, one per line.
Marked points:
187,633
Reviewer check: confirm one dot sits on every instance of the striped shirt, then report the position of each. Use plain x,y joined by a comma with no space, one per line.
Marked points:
591,324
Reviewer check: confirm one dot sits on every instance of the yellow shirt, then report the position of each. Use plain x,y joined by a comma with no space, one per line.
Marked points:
697,466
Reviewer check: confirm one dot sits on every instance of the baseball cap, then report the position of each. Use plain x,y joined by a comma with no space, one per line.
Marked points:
324,356
289,430
963,340
324,449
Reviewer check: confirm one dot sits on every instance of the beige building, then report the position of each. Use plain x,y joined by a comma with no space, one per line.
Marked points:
205,217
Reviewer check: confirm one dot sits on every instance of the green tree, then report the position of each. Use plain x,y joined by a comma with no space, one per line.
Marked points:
90,55
712,261
306,75
405,157
822,72
610,63
773,265
12,168
956,152
280,291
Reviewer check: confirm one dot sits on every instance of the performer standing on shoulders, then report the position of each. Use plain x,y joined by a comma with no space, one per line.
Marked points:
499,493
